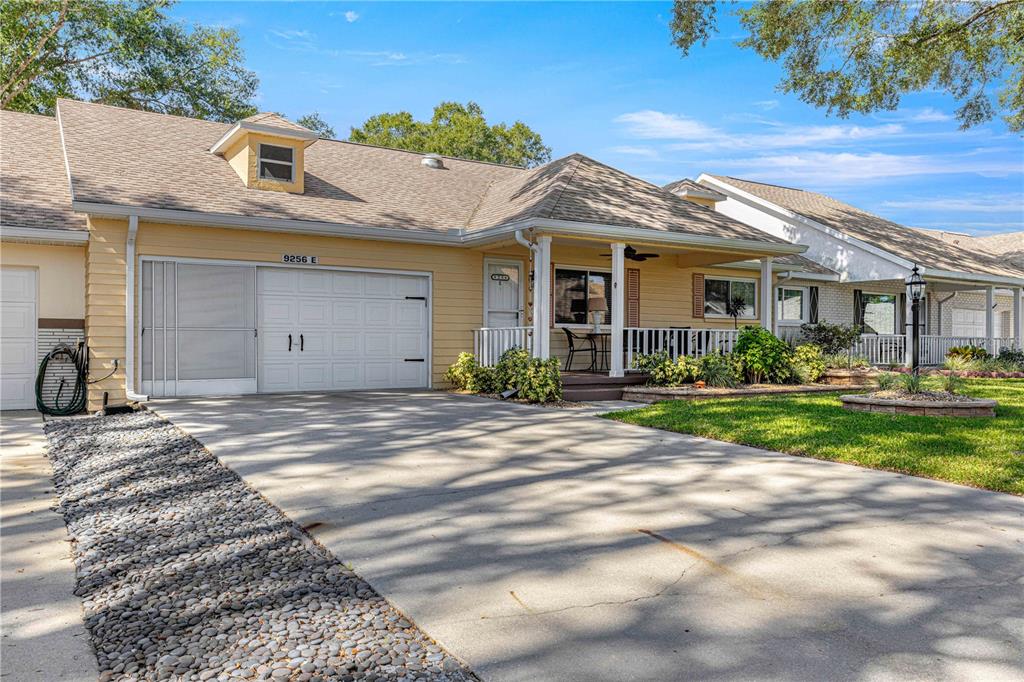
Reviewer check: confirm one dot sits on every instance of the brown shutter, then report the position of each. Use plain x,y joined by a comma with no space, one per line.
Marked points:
698,295
632,297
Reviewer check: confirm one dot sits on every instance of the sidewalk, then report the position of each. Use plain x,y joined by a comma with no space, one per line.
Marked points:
43,634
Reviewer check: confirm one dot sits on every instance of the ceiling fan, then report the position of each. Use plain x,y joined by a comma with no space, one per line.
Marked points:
630,253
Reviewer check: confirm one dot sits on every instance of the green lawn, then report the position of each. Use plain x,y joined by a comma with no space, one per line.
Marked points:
986,453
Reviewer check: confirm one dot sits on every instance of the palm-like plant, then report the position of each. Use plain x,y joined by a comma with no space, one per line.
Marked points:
735,307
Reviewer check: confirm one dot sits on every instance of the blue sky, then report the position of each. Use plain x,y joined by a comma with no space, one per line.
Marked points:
604,80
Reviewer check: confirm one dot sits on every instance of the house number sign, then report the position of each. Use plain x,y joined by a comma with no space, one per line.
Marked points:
500,277
300,260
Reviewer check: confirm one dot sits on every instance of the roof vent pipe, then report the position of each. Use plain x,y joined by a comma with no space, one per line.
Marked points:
432,161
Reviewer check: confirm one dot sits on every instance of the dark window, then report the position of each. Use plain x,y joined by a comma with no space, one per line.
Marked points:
718,293
276,163
578,293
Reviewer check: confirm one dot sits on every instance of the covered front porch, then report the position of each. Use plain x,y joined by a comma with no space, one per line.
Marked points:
596,305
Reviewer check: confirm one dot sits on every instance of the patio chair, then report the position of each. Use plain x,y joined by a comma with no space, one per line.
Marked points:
579,344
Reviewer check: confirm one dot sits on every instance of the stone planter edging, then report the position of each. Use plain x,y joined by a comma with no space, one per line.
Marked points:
653,394
849,377
924,408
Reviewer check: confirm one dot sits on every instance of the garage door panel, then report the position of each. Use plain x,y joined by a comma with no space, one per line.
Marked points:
313,376
378,313
278,311
348,313
16,355
347,284
276,377
968,322
315,343
375,285
314,282
410,286
410,374
410,314
18,285
17,392
378,344
18,320
343,343
379,374
278,280
410,346
316,311
346,375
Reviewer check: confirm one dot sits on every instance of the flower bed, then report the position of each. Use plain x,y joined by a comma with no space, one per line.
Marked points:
653,394
924,404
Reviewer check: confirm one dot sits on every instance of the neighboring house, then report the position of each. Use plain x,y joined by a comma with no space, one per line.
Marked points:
973,288
201,258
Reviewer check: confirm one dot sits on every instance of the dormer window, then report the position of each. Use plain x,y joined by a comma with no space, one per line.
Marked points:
277,163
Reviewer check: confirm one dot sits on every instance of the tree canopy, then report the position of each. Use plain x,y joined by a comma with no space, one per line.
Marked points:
458,130
127,53
317,124
864,55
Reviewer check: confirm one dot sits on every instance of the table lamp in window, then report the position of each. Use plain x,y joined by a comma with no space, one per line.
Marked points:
598,306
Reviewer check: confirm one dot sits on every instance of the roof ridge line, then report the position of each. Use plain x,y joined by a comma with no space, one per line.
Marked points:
578,160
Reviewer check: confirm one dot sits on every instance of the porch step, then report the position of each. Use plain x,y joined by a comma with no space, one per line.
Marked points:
584,386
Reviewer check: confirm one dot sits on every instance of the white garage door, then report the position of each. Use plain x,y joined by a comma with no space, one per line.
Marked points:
340,330
17,338
968,322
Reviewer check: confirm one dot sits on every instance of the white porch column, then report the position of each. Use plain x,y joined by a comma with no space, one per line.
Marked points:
767,293
618,309
990,317
542,299
1018,324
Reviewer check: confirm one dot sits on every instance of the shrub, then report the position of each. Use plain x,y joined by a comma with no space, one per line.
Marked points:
956,363
808,363
764,356
1013,357
461,374
911,383
540,381
832,338
951,383
887,381
509,371
845,361
968,353
718,370
663,371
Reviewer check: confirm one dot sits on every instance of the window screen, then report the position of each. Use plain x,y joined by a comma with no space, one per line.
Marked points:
578,293
276,163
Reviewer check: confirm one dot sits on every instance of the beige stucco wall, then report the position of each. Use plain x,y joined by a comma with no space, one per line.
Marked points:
61,276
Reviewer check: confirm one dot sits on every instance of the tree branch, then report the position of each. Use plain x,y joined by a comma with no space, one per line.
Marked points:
57,25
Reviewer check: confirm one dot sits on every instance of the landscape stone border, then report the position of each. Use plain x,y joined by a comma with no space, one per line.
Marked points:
187,573
977,407
654,394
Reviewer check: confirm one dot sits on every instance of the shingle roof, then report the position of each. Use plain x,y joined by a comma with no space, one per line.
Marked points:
805,264
33,180
164,162
905,242
269,118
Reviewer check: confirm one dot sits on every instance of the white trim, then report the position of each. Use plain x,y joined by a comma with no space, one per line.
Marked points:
815,276
131,307
245,126
64,153
45,235
757,301
805,305
618,313
797,217
260,159
981,279
453,236
522,287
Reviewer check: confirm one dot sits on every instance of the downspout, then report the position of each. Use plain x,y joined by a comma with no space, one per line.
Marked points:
129,313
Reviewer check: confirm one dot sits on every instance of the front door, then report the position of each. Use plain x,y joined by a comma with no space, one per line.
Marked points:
503,282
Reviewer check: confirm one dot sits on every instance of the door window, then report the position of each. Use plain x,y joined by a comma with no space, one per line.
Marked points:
503,283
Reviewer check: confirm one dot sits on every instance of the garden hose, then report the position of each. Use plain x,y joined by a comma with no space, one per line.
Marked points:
75,397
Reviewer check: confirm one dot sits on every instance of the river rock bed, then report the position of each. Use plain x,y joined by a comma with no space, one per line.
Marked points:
187,573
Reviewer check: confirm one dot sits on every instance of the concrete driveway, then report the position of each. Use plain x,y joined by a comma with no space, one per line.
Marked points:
543,544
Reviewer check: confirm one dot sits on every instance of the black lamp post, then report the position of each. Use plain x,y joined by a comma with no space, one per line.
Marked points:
916,285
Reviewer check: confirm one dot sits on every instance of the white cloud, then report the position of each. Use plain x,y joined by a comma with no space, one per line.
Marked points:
654,125
926,115
846,168
767,104
630,150
351,17
293,39
993,203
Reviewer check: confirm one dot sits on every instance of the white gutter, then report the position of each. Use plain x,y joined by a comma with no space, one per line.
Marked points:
816,276
971,277
44,235
129,313
453,236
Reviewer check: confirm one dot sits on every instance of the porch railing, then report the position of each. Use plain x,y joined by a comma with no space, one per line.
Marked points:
490,342
691,342
882,349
